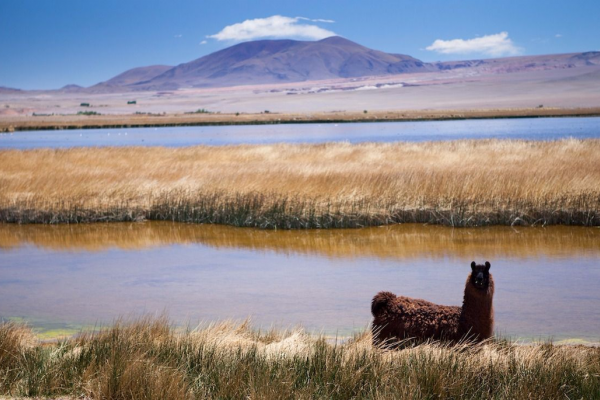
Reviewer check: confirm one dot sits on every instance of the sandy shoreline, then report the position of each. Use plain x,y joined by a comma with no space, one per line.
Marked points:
50,122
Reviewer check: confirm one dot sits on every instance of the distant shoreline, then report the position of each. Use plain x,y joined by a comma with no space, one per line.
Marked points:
61,122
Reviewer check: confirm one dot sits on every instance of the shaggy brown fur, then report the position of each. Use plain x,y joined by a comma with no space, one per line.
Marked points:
399,317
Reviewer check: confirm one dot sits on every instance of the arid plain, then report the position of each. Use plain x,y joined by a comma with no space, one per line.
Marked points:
464,93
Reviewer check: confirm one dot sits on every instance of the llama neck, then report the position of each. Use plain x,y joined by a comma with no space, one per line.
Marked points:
477,313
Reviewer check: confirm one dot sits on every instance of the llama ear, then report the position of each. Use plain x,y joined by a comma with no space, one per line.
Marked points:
487,266
473,265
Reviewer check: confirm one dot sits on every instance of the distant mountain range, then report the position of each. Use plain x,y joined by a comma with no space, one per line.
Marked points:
286,61
4,89
136,75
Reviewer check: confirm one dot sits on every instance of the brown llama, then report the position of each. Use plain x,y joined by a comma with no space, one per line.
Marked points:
398,317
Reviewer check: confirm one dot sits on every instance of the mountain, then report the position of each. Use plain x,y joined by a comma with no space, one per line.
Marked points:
285,61
5,89
71,88
132,76
525,63
280,61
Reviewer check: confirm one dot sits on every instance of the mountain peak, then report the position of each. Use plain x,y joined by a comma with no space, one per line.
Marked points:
338,41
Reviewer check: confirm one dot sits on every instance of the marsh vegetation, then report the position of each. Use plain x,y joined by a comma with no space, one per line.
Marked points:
148,358
107,120
334,185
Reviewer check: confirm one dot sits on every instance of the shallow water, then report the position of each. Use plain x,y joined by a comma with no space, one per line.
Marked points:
547,279
521,128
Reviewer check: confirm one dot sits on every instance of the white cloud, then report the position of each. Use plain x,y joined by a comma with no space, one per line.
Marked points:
492,45
276,26
178,36
203,42
558,35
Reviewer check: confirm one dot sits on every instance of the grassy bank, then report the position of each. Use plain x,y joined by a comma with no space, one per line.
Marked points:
23,123
336,185
149,359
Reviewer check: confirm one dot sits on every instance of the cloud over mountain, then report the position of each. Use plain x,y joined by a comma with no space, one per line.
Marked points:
276,26
492,45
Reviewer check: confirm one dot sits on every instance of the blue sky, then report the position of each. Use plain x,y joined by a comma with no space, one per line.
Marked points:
47,44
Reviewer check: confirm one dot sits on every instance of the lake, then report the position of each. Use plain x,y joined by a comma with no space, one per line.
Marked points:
63,278
519,128
71,276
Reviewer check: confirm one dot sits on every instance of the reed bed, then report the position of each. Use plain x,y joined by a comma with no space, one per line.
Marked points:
295,186
150,359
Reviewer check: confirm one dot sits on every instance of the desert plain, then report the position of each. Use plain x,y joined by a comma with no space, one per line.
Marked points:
454,94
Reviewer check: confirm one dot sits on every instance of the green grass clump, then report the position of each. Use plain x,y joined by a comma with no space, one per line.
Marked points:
200,111
150,359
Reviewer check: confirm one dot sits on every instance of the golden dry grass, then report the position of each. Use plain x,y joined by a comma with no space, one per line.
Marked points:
457,183
149,359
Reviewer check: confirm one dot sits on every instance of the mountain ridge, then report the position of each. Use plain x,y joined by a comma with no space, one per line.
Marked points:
131,76
290,61
335,57
282,61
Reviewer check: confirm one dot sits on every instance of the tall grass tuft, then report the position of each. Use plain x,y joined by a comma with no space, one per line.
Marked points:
150,359
335,185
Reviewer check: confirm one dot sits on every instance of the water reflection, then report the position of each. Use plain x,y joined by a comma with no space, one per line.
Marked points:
547,279
395,242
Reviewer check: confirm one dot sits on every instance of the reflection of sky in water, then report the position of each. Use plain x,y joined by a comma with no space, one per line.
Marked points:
520,128
547,279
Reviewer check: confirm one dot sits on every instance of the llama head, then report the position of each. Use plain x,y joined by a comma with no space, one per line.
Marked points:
480,275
